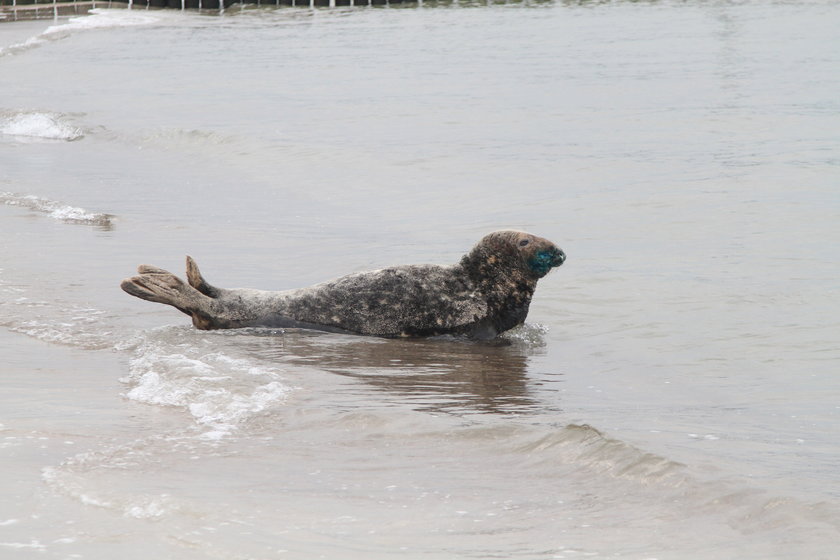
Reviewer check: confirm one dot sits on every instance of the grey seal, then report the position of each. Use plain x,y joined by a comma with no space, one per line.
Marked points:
486,293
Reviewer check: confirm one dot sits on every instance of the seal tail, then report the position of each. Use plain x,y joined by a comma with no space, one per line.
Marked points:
160,286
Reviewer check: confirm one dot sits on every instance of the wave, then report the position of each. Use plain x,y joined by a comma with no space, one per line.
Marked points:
54,322
228,395
79,475
183,138
59,322
38,126
748,509
582,444
97,18
57,210
175,367
78,331
100,18
206,376
531,335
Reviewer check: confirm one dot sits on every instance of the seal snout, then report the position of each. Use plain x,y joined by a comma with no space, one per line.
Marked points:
545,259
559,257
552,257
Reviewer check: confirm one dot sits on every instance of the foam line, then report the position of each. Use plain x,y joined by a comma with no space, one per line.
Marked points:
39,125
57,210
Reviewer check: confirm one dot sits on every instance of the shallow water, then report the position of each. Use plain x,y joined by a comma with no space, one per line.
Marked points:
672,395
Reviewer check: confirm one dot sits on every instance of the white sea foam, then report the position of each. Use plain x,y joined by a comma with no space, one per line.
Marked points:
148,507
530,334
95,19
33,544
186,138
55,322
101,18
57,210
72,478
203,375
28,43
218,391
39,125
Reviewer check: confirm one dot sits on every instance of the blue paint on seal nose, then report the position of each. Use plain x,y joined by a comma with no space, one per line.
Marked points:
545,260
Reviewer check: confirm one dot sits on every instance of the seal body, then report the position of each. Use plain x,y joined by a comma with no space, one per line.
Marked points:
486,293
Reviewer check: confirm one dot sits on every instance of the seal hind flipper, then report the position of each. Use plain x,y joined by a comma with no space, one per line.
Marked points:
198,282
149,269
160,286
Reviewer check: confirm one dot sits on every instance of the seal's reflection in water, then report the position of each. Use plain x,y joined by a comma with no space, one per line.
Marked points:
439,374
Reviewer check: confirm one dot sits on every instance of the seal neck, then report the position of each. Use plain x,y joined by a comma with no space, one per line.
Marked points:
494,268
506,288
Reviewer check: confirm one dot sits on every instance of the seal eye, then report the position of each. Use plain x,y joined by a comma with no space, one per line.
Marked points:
524,242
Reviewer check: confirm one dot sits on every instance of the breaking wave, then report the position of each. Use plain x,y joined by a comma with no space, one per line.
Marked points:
38,126
49,321
57,210
210,377
95,19
528,334
72,478
173,367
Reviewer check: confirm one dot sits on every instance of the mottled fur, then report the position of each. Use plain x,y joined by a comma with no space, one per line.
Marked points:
486,293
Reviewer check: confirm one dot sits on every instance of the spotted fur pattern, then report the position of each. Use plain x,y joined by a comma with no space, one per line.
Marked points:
486,293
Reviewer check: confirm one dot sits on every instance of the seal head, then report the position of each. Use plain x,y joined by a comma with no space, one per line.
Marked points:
513,254
505,266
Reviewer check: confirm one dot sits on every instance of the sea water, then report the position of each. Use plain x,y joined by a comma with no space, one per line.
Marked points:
674,393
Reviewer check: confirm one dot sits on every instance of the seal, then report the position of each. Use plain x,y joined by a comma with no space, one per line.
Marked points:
486,293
